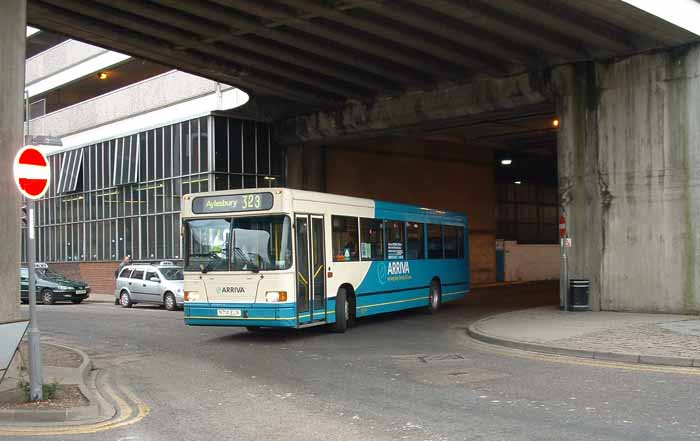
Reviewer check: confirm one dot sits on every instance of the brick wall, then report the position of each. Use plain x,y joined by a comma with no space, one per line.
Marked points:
99,275
467,187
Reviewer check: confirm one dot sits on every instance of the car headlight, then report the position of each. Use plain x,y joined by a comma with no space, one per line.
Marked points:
276,296
65,288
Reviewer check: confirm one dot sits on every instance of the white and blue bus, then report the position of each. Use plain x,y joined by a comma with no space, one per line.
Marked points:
291,258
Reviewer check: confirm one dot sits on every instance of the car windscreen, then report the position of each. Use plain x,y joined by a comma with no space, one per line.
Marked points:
48,274
172,273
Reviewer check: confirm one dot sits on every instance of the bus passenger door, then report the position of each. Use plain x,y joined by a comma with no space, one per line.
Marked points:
311,274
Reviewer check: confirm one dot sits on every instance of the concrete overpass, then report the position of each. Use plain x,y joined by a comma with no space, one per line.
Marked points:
621,76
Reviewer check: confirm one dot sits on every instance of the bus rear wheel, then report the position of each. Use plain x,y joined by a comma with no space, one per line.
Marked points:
435,298
342,311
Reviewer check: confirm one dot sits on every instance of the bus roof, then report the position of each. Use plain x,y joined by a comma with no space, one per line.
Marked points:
383,209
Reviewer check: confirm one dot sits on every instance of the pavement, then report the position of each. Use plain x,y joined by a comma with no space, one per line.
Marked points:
61,364
658,339
100,298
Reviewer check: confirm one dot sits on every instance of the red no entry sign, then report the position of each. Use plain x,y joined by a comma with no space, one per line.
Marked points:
562,226
32,172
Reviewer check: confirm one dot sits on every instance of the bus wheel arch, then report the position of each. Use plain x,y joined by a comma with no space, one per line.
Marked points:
352,303
435,296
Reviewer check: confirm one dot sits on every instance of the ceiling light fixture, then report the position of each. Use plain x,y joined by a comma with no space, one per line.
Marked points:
555,123
506,161
102,76
518,182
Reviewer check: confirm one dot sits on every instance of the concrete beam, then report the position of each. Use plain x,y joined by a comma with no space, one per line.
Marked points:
359,42
12,49
484,16
212,34
259,67
489,45
481,97
237,25
419,41
102,33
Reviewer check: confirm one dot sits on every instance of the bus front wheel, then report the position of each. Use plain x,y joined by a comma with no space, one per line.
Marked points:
435,298
342,311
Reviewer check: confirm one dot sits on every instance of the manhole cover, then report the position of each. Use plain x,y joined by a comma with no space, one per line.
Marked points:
440,357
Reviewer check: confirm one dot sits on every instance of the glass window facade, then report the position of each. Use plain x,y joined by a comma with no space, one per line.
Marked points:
122,196
528,213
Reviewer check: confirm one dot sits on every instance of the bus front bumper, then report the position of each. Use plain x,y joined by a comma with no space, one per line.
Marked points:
240,314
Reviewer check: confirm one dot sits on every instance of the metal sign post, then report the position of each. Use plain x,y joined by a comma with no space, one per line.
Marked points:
36,376
35,367
563,268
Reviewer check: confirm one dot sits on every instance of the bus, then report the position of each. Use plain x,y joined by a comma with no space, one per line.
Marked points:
279,257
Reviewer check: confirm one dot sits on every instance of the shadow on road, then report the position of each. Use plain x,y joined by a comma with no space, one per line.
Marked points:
478,303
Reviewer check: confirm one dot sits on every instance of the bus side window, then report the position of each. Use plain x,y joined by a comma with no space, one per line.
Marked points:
435,241
452,242
394,231
415,245
372,239
345,239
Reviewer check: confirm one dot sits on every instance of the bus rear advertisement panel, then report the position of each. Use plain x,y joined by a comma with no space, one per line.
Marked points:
287,261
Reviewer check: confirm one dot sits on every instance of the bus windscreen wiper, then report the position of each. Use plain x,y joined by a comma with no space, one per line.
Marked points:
249,265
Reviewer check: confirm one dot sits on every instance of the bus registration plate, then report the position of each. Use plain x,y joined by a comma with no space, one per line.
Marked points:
228,312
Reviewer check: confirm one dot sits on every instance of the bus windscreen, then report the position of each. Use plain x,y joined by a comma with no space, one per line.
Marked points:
257,243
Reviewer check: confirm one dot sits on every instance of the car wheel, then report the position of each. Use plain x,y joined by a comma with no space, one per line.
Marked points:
47,297
342,310
125,300
169,301
435,298
76,301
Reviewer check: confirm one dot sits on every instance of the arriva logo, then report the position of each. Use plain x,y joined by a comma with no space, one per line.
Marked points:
230,290
398,269
393,272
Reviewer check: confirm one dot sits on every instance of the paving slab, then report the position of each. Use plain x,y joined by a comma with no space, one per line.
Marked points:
659,339
59,366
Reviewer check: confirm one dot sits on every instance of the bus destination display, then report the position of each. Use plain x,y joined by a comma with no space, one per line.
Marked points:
232,203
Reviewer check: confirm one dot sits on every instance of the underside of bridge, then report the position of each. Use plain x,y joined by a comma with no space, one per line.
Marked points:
418,100
318,54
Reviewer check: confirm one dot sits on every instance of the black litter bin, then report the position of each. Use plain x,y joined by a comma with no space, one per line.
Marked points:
578,295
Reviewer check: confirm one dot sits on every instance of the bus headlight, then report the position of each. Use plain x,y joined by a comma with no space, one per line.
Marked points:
276,296
191,296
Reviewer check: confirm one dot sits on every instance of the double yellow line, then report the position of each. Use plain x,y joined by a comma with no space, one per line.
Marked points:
126,416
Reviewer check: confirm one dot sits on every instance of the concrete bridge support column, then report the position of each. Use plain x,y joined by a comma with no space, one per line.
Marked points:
12,46
629,178
306,166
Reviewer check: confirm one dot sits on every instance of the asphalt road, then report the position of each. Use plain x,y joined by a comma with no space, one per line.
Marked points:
405,376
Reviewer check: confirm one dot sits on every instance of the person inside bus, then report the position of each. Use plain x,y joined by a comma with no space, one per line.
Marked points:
350,248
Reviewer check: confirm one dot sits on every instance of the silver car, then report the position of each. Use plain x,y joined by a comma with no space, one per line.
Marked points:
160,284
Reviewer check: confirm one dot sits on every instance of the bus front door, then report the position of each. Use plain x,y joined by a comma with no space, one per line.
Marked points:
311,274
